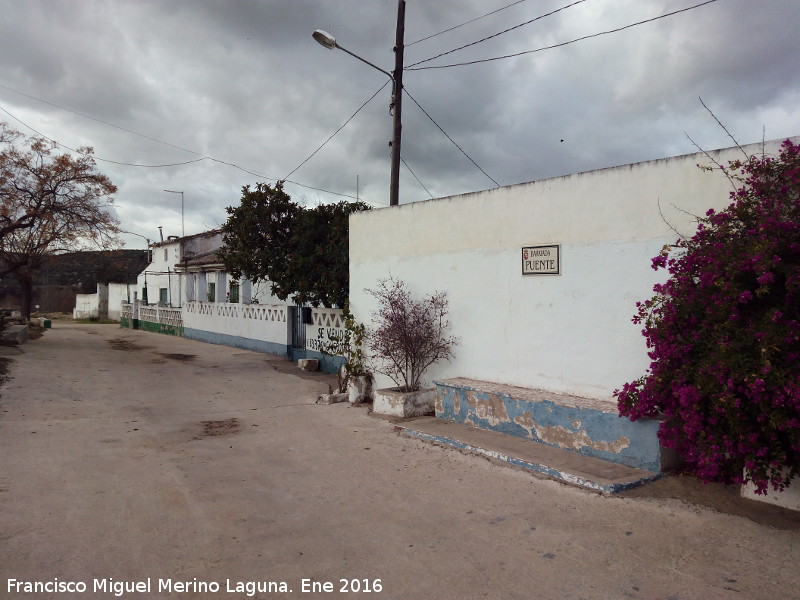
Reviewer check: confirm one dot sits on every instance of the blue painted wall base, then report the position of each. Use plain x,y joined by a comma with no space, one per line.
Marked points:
582,425
327,364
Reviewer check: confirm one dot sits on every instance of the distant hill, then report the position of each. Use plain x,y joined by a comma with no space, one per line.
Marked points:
65,275
87,269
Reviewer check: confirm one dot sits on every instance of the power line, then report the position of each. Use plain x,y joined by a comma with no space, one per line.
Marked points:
415,177
202,158
337,131
586,37
449,138
75,112
466,23
39,133
498,33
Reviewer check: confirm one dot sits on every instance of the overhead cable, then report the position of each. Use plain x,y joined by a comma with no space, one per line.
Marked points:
448,137
337,131
497,34
586,37
188,162
80,114
415,177
466,23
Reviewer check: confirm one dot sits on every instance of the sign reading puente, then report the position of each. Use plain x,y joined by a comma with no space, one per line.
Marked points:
541,260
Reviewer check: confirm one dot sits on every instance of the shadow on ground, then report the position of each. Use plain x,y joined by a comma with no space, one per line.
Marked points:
719,497
292,369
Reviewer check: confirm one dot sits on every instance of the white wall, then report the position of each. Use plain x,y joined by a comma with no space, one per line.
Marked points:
569,333
261,322
160,273
87,305
117,294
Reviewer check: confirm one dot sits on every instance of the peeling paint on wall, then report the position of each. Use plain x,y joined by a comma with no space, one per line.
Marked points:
490,408
438,406
576,440
580,425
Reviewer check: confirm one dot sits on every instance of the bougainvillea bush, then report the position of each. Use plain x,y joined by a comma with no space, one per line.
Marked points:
723,333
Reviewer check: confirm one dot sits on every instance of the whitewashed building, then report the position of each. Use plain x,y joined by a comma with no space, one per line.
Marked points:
105,303
187,291
542,280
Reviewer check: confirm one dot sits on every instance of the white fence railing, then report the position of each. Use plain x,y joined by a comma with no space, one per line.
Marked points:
154,314
228,321
258,312
127,310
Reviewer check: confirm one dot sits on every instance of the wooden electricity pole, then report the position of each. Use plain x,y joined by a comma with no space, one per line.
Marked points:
397,104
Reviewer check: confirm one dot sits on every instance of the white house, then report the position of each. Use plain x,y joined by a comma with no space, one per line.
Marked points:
542,280
542,277
162,282
187,291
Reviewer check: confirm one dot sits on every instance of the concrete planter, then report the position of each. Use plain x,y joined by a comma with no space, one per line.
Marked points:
789,498
393,402
359,387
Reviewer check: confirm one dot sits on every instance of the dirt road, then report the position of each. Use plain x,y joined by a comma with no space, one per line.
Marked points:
145,466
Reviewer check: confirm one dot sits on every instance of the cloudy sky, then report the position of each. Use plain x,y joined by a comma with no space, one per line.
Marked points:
242,82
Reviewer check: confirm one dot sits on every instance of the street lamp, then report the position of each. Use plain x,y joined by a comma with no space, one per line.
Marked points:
183,229
327,40
149,260
146,239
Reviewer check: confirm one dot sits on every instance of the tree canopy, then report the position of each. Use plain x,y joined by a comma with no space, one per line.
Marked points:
302,252
49,203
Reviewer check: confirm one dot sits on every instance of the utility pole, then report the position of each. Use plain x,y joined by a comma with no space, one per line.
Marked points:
397,104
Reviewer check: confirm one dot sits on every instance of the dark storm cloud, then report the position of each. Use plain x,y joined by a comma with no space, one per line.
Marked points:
244,82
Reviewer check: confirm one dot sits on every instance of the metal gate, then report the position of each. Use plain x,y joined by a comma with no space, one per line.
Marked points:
297,332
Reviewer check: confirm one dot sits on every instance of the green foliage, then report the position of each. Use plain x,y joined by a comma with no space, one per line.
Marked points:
257,237
302,252
321,266
350,345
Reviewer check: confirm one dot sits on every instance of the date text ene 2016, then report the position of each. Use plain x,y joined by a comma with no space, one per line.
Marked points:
345,586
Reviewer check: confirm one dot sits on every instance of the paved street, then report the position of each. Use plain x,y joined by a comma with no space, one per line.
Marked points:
140,459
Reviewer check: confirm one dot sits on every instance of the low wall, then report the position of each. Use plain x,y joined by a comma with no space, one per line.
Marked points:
257,327
109,298
119,294
789,498
580,425
326,324
161,320
86,306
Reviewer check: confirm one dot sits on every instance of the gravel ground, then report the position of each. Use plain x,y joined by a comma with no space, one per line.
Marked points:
135,458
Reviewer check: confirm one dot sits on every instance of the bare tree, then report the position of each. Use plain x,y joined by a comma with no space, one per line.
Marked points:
49,203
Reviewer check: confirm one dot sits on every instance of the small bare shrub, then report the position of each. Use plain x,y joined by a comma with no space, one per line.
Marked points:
409,335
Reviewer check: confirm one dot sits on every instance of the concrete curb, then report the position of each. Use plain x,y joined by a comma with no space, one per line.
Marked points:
556,464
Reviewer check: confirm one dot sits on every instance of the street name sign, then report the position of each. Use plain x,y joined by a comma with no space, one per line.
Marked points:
541,260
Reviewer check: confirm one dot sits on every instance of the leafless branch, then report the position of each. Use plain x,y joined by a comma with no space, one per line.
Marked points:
725,129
